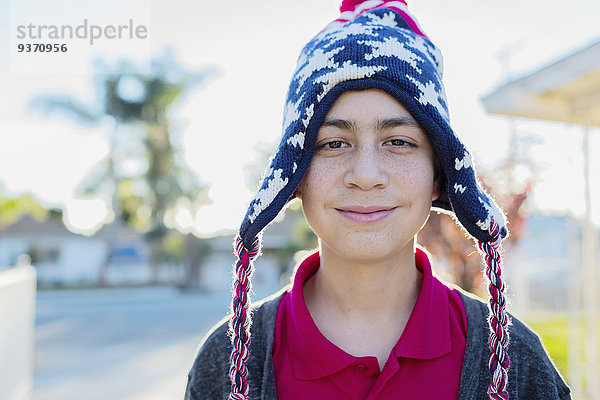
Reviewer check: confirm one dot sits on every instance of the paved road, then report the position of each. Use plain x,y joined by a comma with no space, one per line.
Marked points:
119,344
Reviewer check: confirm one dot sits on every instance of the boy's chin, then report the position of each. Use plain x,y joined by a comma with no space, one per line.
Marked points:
371,250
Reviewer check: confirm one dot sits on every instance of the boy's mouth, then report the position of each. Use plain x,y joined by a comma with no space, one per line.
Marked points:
366,214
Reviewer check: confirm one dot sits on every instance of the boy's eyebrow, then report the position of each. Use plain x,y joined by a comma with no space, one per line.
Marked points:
380,125
340,123
396,121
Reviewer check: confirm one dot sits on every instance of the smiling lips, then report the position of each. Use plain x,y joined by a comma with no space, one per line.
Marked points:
364,214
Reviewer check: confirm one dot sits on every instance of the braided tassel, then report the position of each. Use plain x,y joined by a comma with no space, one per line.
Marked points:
239,324
498,319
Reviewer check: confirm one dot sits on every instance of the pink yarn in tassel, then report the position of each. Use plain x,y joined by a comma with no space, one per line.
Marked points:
241,319
498,319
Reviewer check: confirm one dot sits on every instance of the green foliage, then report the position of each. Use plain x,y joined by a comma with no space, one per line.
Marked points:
174,247
12,208
554,332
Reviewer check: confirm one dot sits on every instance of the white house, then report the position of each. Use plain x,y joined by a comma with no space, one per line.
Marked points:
62,257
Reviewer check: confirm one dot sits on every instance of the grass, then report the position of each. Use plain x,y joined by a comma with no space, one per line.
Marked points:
554,331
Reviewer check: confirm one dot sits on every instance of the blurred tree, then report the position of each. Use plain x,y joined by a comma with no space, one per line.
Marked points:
197,250
13,208
445,240
142,195
189,250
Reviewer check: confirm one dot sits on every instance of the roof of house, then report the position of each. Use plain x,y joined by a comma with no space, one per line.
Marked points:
29,226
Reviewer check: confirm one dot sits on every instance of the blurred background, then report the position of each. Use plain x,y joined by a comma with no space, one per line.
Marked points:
128,163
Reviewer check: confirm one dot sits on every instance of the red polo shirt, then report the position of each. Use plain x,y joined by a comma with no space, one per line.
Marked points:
425,363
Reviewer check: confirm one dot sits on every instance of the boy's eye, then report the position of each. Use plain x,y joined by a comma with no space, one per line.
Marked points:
333,144
400,143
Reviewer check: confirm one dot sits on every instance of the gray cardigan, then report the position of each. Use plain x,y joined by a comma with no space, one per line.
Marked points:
532,375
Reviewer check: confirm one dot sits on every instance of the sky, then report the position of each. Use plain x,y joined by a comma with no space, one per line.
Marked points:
229,125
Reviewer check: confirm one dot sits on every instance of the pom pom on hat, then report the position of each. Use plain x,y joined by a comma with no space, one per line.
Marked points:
357,6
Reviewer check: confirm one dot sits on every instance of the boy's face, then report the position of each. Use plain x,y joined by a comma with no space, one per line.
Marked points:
370,184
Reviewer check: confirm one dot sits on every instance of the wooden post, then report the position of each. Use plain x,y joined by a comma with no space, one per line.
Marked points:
590,281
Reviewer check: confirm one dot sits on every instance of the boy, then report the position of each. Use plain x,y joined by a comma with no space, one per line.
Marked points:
368,148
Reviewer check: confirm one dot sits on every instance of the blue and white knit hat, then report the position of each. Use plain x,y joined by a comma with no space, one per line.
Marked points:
374,44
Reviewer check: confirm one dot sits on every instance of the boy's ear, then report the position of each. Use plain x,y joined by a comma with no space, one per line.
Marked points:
297,193
436,188
437,177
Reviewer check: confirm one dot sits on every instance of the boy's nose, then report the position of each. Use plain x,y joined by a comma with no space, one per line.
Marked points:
366,170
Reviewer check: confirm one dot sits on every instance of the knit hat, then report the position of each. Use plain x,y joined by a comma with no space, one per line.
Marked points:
374,44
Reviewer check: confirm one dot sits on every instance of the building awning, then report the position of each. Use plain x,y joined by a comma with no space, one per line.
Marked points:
567,90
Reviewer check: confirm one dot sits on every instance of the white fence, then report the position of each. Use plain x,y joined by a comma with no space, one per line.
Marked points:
17,321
